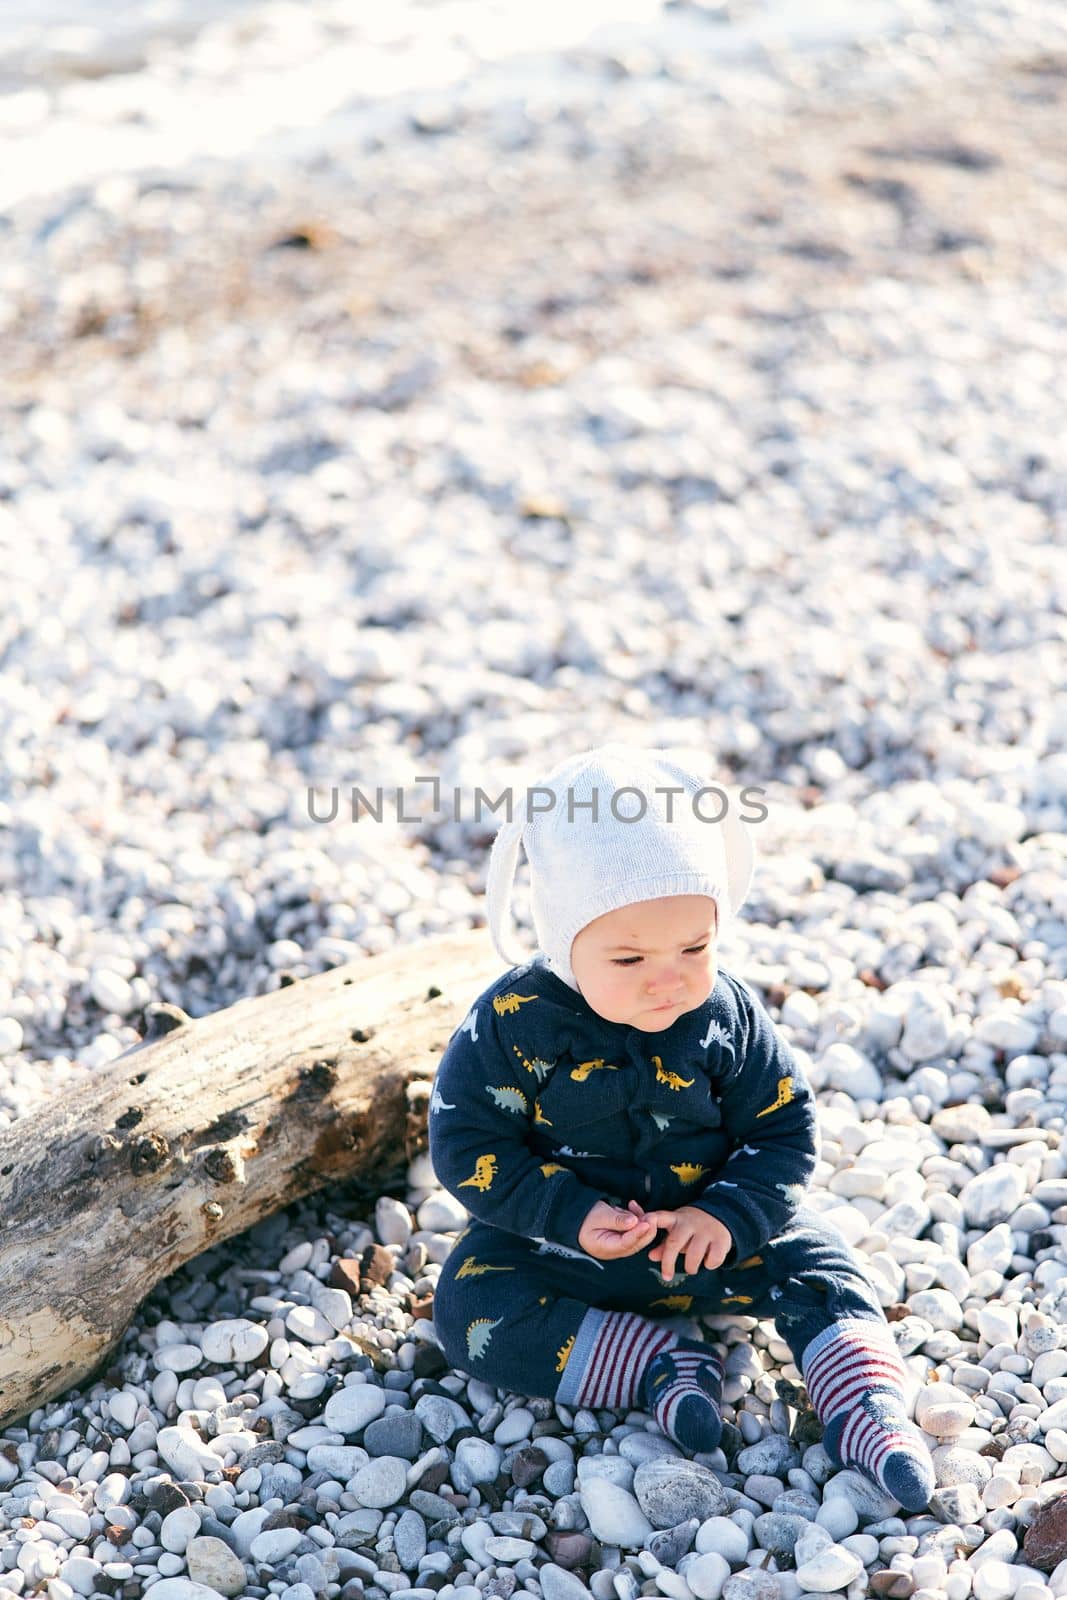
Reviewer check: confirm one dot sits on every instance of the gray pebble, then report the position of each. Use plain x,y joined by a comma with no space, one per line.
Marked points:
673,1491
440,1416
382,1482
558,1477
778,1532
559,1584
772,1455
409,1540
397,1433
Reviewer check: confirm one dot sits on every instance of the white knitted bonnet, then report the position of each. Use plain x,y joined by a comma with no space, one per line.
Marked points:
585,862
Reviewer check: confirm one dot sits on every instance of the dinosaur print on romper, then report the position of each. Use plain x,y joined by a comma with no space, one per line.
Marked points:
482,1177
540,1108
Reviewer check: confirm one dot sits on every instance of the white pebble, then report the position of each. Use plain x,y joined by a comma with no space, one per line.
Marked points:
233,1339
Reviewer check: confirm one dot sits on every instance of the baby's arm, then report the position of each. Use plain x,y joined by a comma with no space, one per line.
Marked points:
481,1109
769,1112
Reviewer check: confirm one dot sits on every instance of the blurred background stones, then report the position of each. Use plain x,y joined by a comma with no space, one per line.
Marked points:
424,391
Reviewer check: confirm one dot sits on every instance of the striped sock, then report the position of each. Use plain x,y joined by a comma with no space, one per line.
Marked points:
683,1390
855,1380
608,1360
620,1360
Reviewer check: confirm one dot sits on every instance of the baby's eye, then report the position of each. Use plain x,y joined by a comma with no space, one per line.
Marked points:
628,961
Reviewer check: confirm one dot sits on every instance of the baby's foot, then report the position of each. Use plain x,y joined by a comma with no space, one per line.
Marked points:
682,1387
876,1437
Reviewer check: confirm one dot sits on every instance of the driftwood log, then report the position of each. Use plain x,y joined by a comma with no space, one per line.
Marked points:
205,1128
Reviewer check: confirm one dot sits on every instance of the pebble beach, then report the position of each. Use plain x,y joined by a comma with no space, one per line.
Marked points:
696,380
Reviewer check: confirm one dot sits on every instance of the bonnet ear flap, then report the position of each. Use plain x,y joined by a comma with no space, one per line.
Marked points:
740,856
500,879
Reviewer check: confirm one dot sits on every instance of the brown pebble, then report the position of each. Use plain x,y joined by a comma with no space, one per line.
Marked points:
894,1585
166,1497
435,1476
1045,1544
344,1274
285,1519
376,1265
1002,876
871,979
568,1549
422,1308
493,1494
527,1466
414,1259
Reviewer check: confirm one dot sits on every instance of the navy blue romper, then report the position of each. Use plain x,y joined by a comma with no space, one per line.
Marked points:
540,1108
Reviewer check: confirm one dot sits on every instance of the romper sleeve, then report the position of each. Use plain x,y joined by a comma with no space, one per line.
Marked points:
483,1104
769,1114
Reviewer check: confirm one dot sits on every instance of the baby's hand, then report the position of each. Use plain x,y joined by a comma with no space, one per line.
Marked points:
701,1238
609,1232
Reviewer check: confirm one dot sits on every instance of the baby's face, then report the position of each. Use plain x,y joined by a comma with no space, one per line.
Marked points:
647,964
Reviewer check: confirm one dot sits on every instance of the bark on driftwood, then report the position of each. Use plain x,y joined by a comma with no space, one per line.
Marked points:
204,1129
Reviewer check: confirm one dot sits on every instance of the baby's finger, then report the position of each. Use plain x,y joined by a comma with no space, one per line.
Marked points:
630,1245
640,1230
625,1244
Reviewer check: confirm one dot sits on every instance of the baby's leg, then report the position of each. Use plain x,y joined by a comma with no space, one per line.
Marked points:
499,1317
521,1320
812,1284
678,1380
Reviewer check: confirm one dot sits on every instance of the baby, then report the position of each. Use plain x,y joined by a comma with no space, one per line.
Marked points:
632,1139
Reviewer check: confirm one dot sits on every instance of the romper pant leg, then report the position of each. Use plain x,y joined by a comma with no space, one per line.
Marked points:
499,1314
806,1279
507,1309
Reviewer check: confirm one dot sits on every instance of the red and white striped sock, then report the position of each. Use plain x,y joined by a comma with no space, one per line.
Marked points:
846,1361
683,1390
855,1380
611,1351
620,1360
